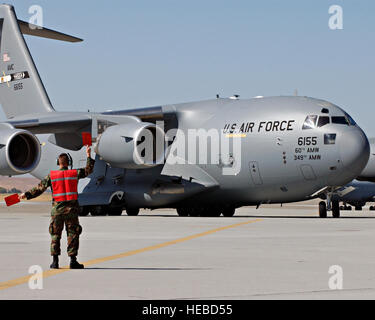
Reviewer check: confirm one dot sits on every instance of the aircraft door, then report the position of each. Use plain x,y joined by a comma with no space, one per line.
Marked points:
255,174
308,172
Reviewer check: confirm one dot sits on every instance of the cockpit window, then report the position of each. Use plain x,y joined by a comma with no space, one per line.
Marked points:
350,119
310,122
323,121
340,120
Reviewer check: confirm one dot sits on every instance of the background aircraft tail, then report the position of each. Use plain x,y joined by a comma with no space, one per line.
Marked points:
21,89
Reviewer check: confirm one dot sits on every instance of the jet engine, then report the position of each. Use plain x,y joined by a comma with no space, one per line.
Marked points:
137,145
368,173
19,151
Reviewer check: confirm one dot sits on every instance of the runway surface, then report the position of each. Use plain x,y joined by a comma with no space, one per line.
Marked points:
269,253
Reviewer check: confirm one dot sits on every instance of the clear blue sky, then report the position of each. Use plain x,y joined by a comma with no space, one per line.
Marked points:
145,53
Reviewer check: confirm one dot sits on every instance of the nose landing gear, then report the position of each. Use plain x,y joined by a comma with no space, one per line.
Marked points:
331,205
322,209
335,209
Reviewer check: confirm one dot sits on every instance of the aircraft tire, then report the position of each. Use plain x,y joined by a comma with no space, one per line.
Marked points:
84,211
132,212
216,212
358,208
229,212
205,212
335,209
98,211
115,211
372,208
194,212
182,212
322,209
210,212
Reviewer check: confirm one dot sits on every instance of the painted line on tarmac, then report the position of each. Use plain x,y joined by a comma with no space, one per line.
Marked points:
52,272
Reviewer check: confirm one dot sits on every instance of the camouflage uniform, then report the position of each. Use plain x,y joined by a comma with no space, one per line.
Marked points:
63,212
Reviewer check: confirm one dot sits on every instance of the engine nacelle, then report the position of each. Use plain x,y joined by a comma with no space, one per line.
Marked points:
368,173
136,145
19,151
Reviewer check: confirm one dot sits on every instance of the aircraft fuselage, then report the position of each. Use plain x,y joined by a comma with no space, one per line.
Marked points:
290,148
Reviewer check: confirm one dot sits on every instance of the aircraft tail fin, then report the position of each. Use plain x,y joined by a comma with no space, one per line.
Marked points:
21,89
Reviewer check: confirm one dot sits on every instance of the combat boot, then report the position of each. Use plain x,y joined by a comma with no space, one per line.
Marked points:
74,263
55,262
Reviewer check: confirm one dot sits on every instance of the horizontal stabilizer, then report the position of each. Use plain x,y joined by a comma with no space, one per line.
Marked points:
37,31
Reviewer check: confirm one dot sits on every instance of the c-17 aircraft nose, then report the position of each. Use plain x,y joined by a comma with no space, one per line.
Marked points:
354,150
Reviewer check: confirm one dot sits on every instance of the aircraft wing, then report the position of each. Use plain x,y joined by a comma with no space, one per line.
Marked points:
55,122
61,122
345,191
67,128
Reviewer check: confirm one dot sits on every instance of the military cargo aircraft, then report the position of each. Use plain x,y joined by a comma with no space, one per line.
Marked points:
203,158
360,191
357,194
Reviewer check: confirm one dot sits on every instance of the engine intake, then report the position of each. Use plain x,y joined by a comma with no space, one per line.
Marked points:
137,145
19,151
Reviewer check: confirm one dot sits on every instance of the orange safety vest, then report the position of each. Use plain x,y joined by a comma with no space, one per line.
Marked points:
64,185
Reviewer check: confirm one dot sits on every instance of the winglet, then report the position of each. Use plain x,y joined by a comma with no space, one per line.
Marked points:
37,31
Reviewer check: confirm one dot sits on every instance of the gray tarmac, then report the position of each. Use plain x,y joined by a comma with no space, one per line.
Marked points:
269,253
